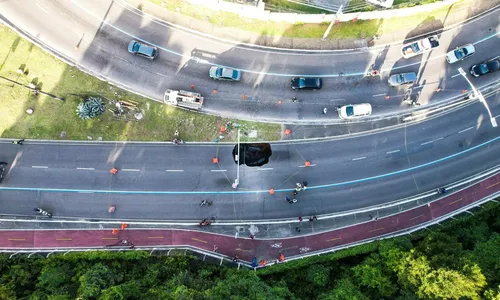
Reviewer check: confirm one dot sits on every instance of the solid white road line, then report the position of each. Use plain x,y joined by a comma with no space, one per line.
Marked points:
218,170
174,170
88,169
392,152
39,167
431,141
456,75
467,129
264,169
383,94
359,158
312,165
131,170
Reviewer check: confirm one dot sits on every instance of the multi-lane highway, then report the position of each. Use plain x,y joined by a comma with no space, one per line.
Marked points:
102,30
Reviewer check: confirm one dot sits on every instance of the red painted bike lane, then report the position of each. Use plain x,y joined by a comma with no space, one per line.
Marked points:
246,248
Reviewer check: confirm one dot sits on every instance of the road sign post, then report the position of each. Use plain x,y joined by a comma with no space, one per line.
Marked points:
237,180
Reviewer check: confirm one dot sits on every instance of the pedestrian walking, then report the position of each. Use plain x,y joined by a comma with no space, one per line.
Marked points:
325,110
371,217
252,236
18,142
297,229
216,248
300,219
304,185
288,199
281,257
294,99
263,262
295,192
236,258
132,245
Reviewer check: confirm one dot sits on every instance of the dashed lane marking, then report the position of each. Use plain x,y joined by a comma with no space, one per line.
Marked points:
307,166
218,170
377,95
17,239
493,185
87,169
264,169
359,158
394,151
155,237
378,229
131,170
109,238
334,239
242,250
416,217
174,170
431,141
198,240
455,201
40,167
64,239
466,129
456,75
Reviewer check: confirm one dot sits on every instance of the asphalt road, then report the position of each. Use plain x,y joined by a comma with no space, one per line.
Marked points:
102,29
165,181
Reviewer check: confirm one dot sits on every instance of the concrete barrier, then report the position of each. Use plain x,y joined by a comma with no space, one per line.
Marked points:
259,12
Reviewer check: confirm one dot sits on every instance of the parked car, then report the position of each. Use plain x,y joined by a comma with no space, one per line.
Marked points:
353,111
142,49
460,53
221,73
306,83
252,155
486,67
402,78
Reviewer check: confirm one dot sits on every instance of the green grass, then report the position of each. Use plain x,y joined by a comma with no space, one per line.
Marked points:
345,30
287,6
51,117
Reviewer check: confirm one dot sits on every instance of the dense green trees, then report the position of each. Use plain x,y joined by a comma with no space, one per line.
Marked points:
457,261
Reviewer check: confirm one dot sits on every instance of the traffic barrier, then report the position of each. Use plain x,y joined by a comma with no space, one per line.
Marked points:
438,90
271,192
115,231
124,226
464,91
223,129
215,91
244,97
279,102
307,163
192,86
113,171
287,131
387,97
215,160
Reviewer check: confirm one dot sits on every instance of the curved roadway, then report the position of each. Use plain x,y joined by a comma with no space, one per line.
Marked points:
102,30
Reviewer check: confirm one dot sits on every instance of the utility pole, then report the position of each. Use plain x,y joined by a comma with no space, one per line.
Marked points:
339,12
477,94
237,180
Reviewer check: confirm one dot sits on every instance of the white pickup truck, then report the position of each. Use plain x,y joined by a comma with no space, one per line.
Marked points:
420,46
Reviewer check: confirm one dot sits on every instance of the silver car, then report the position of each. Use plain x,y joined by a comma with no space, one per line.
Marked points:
460,53
402,79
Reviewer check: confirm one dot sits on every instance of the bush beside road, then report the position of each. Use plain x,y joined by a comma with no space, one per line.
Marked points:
51,117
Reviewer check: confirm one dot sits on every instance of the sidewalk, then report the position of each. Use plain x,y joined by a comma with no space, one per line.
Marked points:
461,12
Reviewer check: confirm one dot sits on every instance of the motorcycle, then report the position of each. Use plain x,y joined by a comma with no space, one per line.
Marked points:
43,212
206,202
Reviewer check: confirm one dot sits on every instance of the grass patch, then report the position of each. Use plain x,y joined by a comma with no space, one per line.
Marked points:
292,7
51,117
357,29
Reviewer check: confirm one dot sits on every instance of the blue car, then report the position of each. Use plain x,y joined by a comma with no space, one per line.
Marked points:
220,73
143,50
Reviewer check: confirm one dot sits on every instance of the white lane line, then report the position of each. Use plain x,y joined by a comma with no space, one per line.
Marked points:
264,169
307,166
456,75
131,170
218,170
394,151
42,8
383,94
39,167
431,141
466,129
88,169
359,158
174,170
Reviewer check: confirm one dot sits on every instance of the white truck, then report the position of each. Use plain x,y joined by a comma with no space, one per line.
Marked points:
184,99
420,46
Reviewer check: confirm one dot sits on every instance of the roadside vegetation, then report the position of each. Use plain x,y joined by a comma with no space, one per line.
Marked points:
23,64
346,30
457,260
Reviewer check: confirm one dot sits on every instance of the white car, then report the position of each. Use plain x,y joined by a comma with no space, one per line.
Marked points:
353,111
460,53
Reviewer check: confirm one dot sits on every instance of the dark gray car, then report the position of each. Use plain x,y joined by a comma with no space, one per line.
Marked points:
402,78
143,50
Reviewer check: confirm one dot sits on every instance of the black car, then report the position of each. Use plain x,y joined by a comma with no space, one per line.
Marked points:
252,155
2,170
306,83
486,67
